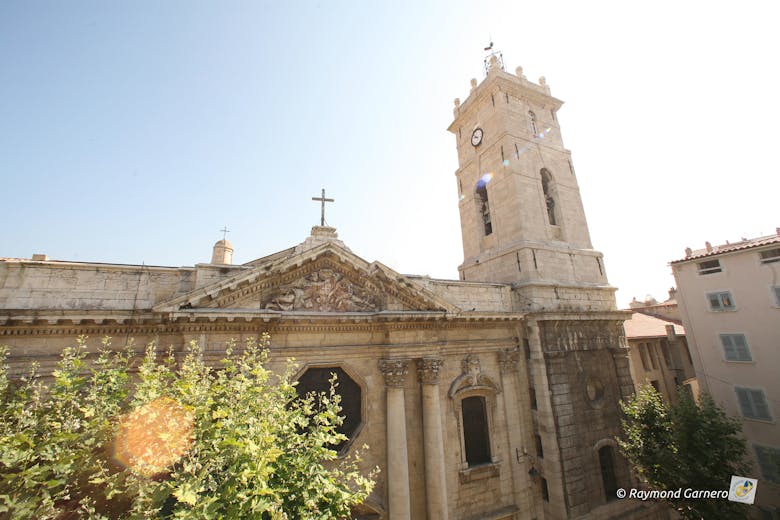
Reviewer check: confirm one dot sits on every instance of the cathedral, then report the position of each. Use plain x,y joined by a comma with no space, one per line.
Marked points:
494,396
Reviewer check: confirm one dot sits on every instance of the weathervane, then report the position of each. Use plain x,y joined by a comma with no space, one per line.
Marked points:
494,56
323,200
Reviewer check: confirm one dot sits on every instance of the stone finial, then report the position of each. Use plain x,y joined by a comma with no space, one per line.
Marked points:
519,72
509,360
542,80
473,83
688,252
457,102
708,247
223,253
428,370
394,370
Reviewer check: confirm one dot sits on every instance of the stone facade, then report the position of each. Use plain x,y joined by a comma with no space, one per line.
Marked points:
492,397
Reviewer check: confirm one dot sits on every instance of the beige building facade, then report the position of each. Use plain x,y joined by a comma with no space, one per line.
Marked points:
659,355
729,296
490,397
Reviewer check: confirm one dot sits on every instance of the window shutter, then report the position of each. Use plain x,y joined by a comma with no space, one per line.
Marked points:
728,347
745,404
760,405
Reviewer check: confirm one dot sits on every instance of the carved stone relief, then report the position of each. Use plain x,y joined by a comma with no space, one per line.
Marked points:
325,290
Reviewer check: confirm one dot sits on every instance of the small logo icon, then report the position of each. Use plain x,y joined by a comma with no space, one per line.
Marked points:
742,489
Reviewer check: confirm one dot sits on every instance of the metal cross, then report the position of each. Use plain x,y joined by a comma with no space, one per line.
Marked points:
225,231
323,200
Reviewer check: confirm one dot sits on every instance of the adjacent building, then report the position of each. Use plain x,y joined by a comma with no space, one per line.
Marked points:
659,355
729,296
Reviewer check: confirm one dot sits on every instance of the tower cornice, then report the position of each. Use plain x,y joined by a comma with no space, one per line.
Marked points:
500,81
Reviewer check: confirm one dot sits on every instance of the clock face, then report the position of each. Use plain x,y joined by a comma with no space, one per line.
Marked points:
476,137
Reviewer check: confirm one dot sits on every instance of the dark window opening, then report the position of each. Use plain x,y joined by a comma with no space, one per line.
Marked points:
545,491
475,431
665,351
484,208
539,448
608,478
318,380
527,348
532,394
548,197
532,118
709,267
770,255
656,385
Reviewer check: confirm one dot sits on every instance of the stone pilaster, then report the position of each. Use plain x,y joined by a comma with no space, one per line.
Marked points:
509,362
433,439
395,371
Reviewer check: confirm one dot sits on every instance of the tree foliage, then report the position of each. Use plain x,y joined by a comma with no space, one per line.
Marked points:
171,440
685,445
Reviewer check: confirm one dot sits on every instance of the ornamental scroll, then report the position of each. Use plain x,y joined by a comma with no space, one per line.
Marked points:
325,290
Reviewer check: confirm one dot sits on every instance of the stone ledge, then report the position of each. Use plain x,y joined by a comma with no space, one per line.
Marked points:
480,472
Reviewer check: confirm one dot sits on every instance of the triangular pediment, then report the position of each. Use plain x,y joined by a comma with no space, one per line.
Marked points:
324,279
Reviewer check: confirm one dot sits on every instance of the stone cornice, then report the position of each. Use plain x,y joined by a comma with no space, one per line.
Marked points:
500,81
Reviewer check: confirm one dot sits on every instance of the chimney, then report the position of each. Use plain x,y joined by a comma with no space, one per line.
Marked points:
688,252
40,257
708,246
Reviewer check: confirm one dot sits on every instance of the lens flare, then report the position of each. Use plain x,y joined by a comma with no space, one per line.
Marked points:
486,178
506,162
462,197
154,436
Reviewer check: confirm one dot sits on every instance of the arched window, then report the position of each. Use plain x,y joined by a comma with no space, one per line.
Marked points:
549,197
532,119
476,437
473,396
484,207
608,477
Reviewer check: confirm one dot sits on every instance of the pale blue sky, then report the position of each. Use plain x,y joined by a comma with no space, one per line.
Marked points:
133,131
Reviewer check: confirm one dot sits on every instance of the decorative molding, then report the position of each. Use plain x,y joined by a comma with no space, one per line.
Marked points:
509,360
472,378
428,370
395,371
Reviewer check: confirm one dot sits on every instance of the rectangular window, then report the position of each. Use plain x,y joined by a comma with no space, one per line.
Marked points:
769,462
666,353
770,255
643,356
709,267
532,394
475,431
735,347
753,403
527,348
656,386
776,293
653,355
721,301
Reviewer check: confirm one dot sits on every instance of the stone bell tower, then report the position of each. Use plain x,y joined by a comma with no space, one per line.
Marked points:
521,212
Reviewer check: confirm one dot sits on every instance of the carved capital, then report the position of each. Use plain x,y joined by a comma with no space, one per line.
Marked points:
394,370
428,370
509,360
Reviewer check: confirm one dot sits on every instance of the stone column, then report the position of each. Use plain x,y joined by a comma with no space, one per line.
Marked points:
395,371
509,361
433,439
